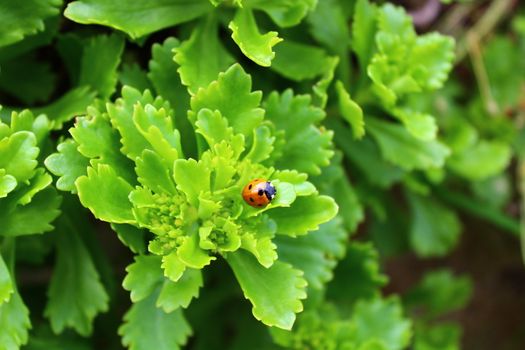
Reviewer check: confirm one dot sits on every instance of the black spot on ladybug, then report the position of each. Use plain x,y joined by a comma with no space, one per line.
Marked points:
260,192
250,187
251,200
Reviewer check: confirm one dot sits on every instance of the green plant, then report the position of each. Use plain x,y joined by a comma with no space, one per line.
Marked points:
153,117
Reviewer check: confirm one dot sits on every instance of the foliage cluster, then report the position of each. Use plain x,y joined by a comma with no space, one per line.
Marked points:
151,118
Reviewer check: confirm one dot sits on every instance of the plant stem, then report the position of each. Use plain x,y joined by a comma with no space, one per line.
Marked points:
495,13
480,72
521,189
469,206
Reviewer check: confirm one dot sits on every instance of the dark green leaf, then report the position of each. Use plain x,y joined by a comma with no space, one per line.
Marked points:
75,293
34,217
100,60
14,318
435,228
146,327
24,18
298,61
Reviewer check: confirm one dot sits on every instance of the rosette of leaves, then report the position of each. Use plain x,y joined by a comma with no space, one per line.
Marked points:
28,205
129,166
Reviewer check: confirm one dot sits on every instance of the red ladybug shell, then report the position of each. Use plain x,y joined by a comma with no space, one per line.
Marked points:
258,193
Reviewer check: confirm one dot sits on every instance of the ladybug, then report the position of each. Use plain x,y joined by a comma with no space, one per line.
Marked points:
258,192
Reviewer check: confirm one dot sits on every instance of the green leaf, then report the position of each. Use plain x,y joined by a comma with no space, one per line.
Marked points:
262,248
328,26
146,327
167,82
274,292
440,292
231,94
390,82
213,127
305,214
434,53
435,229
505,76
176,294
335,183
14,318
32,42
43,338
96,139
143,277
70,46
192,255
405,63
40,181
18,154
286,13
133,237
32,218
316,253
156,126
262,145
75,293
120,114
394,20
301,186
192,178
136,19
298,62
420,125
443,336
202,57
365,154
255,46
25,18
350,111
381,319
28,78
7,183
481,160
6,285
218,2
358,276
132,74
106,194
320,96
173,267
401,148
152,173
303,146
73,103
100,60
363,31
26,121
68,164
